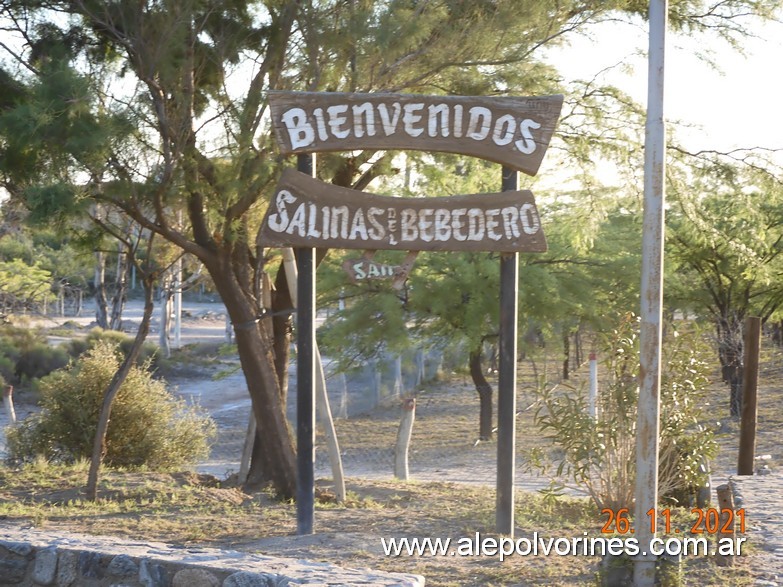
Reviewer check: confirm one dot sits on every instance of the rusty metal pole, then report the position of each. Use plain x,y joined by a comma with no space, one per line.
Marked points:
648,422
507,380
750,383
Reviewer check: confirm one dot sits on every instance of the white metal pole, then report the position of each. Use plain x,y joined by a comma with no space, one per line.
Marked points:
651,301
593,398
178,304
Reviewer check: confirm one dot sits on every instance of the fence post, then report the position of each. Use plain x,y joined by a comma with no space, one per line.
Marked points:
404,439
750,380
8,402
726,508
593,398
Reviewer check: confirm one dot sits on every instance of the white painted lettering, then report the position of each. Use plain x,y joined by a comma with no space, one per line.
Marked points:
358,269
410,117
492,223
389,122
408,230
327,213
392,224
360,127
438,120
479,123
527,143
320,124
457,225
531,223
475,224
298,221
458,121
300,132
337,118
312,219
339,224
279,220
425,225
503,132
376,231
442,225
510,221
358,227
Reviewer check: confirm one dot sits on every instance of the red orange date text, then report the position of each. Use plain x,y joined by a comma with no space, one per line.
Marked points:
705,521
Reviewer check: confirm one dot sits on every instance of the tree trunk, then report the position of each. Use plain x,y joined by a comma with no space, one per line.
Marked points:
99,283
567,355
730,352
484,390
276,461
99,444
165,319
120,292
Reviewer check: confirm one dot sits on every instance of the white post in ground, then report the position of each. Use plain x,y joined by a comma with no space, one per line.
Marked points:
648,423
593,398
8,402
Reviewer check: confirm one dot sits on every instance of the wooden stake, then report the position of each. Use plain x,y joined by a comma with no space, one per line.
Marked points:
750,381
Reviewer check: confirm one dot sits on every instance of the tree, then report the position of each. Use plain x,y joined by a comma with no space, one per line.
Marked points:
192,75
726,238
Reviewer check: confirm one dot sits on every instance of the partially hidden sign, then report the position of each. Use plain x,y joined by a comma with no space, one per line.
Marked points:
305,212
366,268
513,131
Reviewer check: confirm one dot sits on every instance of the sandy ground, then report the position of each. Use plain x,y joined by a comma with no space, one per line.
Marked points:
223,394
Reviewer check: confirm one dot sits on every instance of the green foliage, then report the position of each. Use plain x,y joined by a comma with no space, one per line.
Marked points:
22,286
149,427
149,354
25,356
67,263
38,361
600,454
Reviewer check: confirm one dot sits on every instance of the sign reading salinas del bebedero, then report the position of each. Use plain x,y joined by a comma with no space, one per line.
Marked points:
306,212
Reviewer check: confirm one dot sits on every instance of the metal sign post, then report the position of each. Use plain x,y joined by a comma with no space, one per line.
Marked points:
648,422
305,379
507,380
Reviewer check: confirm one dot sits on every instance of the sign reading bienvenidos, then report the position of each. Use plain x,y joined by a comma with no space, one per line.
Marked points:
509,130
306,212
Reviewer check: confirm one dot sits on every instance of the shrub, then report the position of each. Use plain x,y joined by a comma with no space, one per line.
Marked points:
600,454
25,356
38,361
149,427
149,352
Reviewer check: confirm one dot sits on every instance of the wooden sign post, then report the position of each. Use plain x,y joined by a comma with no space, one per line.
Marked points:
306,213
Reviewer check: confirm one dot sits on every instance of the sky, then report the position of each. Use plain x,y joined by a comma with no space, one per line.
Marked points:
738,106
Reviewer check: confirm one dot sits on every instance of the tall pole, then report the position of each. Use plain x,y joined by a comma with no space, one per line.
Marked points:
305,379
507,380
648,422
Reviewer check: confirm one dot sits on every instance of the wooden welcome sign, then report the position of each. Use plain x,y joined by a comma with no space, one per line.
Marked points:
512,131
306,212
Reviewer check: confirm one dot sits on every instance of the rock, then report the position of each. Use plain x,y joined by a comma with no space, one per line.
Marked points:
195,578
246,579
45,566
123,566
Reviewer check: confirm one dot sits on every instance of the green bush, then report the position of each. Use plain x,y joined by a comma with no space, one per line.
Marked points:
25,356
600,455
149,352
38,361
149,427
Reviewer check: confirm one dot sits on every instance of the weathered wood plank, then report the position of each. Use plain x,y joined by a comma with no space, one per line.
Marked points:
307,212
513,131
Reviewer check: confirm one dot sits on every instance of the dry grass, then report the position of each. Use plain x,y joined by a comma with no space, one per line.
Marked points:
188,508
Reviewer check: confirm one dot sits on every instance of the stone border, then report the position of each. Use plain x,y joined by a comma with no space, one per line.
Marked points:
33,558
